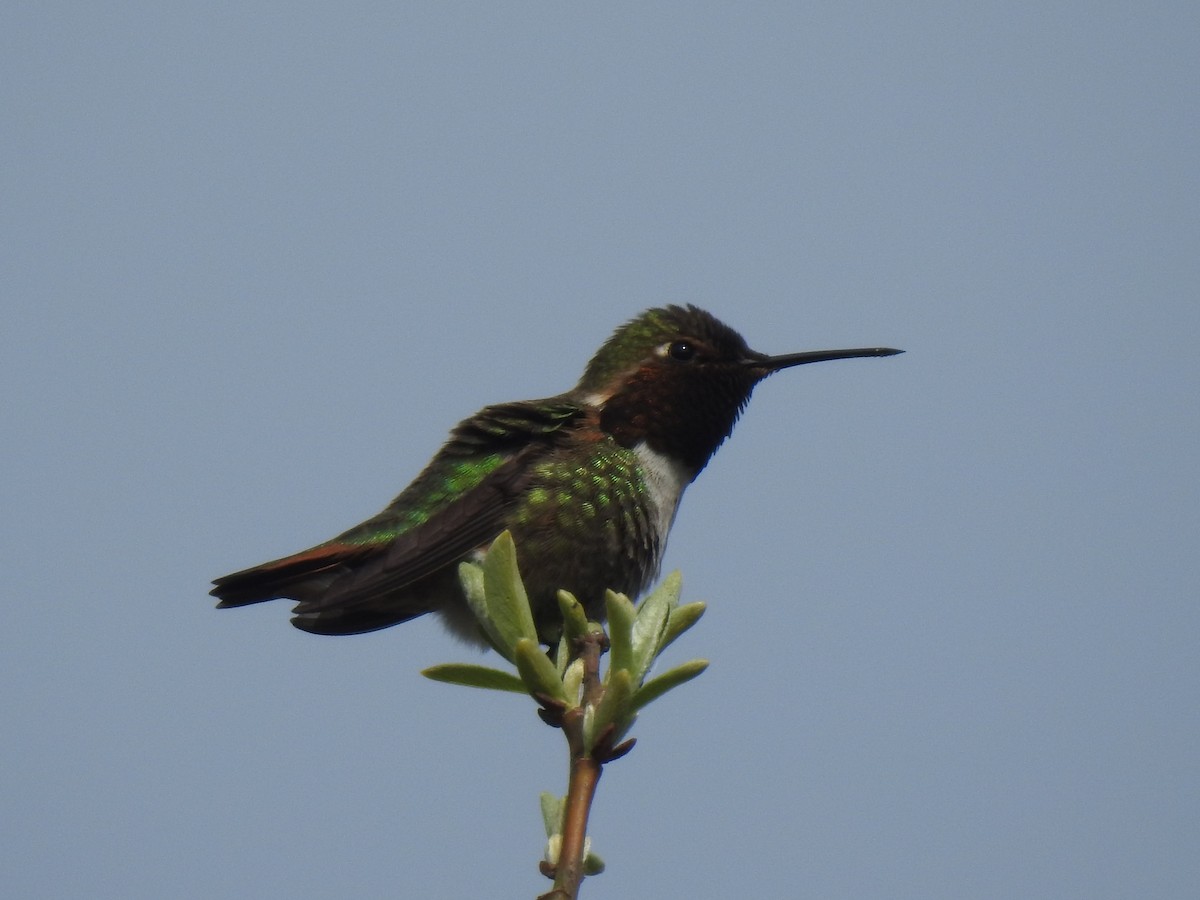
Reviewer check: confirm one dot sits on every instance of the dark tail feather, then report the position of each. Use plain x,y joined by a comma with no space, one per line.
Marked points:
307,576
354,621
359,613
299,577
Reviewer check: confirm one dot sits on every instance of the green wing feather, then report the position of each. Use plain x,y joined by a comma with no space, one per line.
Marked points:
456,505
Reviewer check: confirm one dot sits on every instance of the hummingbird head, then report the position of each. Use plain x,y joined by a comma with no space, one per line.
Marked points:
677,378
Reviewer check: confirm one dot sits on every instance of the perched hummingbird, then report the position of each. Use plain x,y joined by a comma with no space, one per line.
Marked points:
588,482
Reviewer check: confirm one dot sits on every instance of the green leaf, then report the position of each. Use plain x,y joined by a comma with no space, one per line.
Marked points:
651,625
553,849
592,864
537,671
615,708
575,621
552,812
672,678
621,616
681,619
470,576
507,602
572,681
561,654
475,676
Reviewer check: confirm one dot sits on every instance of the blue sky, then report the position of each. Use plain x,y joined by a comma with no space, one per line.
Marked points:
258,258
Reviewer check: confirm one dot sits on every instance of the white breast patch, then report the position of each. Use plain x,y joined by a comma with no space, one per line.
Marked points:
665,480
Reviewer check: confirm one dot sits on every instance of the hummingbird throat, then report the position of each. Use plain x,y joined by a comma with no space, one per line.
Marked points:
665,479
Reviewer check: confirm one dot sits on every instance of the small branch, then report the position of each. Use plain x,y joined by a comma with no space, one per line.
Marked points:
581,785
595,716
585,775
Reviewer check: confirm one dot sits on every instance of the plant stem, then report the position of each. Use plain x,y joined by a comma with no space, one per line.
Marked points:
581,784
585,775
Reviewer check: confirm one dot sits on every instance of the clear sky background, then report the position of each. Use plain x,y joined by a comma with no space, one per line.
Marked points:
257,258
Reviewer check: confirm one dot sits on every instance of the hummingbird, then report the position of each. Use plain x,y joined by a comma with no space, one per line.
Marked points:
588,482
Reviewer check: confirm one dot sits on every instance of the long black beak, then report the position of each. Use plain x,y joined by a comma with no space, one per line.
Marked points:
774,363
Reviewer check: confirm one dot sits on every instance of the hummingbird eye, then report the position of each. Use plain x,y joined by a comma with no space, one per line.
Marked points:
681,351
